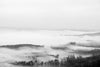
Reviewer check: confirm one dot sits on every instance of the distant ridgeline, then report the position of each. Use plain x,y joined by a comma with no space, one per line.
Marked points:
17,46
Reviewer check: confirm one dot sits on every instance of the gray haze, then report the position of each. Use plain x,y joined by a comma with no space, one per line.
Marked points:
50,14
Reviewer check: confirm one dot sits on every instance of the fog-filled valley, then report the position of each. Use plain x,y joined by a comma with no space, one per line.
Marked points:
43,45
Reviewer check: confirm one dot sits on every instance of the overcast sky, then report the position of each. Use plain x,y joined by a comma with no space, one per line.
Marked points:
50,14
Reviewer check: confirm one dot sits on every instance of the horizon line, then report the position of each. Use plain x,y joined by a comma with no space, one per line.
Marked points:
33,29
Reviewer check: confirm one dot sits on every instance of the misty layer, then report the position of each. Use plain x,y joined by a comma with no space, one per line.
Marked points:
46,45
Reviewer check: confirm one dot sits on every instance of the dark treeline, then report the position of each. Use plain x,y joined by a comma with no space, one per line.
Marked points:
70,61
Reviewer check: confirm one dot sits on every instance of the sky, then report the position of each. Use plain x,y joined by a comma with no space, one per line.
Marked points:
50,14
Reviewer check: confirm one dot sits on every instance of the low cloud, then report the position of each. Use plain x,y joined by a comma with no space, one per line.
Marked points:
45,45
